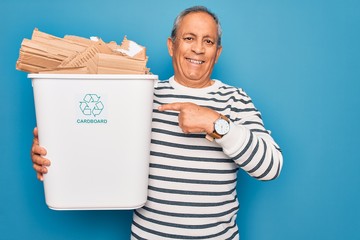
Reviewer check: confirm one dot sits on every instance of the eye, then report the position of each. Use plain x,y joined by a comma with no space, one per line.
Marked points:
209,42
188,39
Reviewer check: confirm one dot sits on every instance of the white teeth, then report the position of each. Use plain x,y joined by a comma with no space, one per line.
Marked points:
195,61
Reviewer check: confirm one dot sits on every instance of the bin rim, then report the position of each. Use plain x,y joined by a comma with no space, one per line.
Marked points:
93,76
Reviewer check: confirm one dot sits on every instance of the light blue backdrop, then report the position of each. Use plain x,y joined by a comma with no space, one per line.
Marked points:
298,60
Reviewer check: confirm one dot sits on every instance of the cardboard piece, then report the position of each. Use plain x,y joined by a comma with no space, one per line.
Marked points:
46,53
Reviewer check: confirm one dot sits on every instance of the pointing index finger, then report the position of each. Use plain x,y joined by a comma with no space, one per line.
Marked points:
171,106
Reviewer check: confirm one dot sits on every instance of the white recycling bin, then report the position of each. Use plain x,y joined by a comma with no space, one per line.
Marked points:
96,129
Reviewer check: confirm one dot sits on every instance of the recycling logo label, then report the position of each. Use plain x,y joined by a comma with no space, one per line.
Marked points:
91,106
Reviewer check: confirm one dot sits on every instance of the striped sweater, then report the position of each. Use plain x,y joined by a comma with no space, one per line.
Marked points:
192,182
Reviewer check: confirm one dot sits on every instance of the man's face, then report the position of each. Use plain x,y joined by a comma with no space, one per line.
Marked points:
195,50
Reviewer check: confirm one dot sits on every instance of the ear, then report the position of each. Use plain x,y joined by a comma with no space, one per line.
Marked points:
218,53
170,46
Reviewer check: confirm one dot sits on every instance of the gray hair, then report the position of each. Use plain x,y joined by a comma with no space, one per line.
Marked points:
194,10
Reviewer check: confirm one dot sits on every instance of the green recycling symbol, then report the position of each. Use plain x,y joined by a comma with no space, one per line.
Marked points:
91,105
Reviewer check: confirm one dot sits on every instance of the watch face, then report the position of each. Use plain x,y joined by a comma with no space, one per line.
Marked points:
222,126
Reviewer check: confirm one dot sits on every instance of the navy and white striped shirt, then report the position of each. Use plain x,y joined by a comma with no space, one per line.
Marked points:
192,182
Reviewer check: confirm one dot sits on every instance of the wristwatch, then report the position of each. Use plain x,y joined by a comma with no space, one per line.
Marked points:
221,128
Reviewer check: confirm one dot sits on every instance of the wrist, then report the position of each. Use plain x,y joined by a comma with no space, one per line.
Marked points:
211,122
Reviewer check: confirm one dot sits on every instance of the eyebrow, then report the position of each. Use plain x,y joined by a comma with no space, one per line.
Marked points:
193,34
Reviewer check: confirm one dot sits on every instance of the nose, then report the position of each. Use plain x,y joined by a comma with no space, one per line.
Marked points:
198,47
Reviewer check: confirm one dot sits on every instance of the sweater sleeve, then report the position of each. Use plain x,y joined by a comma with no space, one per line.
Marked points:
248,143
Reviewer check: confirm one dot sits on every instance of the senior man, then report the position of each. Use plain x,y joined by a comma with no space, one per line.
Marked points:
203,132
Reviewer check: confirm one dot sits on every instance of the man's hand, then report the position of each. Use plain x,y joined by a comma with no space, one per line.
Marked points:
193,118
40,163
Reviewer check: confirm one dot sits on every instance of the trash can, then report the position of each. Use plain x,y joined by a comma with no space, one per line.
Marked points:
96,129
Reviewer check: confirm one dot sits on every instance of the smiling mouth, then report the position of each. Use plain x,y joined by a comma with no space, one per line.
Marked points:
194,61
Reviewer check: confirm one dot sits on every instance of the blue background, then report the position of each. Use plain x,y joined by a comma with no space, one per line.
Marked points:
298,60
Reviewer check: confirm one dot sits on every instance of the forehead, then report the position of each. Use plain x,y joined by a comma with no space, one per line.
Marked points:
198,23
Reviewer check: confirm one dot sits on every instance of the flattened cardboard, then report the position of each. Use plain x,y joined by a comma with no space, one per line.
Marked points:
46,53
